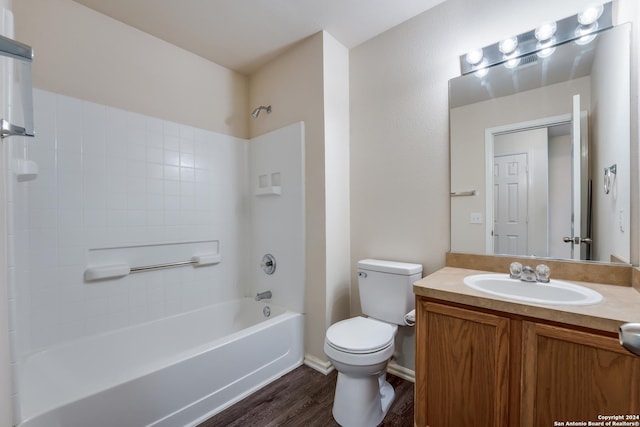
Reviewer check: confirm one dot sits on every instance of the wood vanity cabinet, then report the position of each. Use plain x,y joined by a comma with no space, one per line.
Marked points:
481,368
570,375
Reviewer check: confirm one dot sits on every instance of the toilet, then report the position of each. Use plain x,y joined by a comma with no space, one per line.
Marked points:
360,347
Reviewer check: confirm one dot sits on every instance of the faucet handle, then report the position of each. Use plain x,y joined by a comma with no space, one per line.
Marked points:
515,270
542,273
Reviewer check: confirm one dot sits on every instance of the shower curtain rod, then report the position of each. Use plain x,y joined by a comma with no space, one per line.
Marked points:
14,49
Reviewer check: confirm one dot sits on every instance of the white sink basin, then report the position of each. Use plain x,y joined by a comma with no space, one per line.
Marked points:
556,292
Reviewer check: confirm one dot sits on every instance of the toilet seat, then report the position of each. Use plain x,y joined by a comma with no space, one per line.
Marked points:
360,335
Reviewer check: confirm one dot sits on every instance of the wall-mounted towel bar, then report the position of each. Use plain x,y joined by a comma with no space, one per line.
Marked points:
120,270
463,193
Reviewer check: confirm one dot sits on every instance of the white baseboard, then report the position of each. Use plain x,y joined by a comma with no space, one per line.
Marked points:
317,364
402,372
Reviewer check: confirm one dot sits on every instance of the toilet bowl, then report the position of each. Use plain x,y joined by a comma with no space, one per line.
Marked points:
360,347
363,396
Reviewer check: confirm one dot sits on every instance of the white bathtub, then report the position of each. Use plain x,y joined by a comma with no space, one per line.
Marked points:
176,371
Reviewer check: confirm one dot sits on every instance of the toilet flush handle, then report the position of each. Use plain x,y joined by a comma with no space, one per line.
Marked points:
362,274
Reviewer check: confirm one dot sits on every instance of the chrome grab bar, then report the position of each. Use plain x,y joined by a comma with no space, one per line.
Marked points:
120,270
463,193
196,260
161,266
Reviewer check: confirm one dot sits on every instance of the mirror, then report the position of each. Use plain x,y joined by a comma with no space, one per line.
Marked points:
540,154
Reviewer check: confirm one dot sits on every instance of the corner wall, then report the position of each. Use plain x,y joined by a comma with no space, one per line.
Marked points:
309,83
336,100
293,85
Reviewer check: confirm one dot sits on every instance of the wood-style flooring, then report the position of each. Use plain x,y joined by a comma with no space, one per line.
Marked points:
304,397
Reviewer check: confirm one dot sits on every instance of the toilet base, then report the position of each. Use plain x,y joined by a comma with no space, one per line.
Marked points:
362,401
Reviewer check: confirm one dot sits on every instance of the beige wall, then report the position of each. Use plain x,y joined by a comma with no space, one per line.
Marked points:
399,124
87,55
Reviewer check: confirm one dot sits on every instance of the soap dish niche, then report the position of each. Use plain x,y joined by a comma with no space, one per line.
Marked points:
269,184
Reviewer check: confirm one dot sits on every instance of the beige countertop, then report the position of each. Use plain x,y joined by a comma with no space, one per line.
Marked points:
621,304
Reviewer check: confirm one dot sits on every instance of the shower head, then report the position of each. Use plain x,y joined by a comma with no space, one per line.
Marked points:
255,113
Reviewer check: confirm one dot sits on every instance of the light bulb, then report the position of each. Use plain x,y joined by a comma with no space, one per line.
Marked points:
512,63
481,72
546,30
590,14
474,57
507,46
546,52
586,34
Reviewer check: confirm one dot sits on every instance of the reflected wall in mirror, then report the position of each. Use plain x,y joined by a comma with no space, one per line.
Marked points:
539,142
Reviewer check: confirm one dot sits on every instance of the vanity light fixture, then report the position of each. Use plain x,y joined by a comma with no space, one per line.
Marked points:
581,28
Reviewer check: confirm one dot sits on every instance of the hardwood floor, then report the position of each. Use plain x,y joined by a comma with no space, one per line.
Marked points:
304,397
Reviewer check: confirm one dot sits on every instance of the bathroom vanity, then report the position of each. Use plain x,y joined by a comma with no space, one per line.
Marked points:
488,361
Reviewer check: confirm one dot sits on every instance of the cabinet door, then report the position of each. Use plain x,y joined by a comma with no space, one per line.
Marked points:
462,367
575,376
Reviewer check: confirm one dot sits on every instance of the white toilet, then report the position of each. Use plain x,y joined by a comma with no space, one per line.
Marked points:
360,347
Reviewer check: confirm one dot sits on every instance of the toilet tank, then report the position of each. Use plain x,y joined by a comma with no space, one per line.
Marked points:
386,288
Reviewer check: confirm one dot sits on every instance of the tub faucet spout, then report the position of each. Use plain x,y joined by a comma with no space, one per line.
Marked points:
263,295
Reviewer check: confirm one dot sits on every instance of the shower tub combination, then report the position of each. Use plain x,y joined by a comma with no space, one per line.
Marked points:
176,371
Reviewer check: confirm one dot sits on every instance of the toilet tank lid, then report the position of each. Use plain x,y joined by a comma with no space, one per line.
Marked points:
393,267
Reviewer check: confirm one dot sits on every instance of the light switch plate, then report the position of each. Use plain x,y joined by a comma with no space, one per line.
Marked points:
475,218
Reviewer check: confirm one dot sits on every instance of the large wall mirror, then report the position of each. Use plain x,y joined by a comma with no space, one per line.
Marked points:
540,154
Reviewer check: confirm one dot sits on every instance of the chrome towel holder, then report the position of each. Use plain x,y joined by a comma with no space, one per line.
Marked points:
22,52
609,178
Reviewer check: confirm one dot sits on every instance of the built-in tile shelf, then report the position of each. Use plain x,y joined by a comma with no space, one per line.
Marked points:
275,190
269,185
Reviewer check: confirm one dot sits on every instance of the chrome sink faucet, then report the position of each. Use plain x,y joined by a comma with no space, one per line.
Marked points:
528,274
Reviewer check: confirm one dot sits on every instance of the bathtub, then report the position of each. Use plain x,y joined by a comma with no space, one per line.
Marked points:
176,371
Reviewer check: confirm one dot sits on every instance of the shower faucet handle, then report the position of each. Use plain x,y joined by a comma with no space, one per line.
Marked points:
268,264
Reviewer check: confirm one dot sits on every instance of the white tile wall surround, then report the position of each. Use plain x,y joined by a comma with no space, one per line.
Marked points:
111,178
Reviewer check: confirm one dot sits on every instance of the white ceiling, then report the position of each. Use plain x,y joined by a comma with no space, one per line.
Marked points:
244,34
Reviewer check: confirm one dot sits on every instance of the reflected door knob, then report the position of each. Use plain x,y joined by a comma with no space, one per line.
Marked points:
577,240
